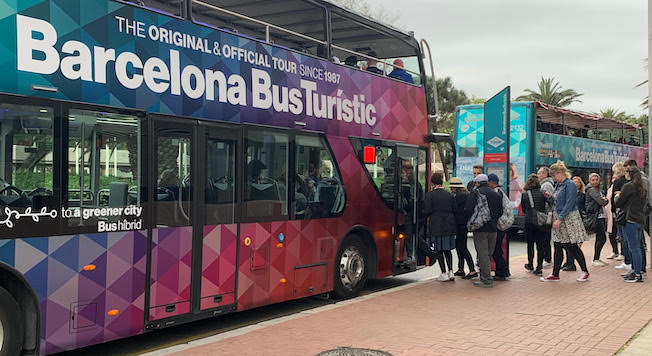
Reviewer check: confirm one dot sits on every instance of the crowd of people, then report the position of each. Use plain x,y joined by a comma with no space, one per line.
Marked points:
559,210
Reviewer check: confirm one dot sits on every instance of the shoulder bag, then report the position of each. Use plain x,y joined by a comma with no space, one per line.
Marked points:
543,218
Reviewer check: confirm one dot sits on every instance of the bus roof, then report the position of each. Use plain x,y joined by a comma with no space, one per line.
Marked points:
578,119
349,29
571,118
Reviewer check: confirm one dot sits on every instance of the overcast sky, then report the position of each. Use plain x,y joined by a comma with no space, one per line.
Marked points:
596,47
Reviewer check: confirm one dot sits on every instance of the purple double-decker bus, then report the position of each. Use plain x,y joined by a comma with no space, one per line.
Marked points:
164,161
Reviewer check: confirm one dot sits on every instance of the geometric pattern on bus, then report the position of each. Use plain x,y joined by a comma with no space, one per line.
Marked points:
171,270
220,245
47,266
75,302
398,107
266,262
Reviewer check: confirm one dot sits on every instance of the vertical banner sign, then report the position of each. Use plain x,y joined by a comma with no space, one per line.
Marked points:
496,136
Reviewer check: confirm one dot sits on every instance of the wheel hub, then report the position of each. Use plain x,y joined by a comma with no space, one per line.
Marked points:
351,267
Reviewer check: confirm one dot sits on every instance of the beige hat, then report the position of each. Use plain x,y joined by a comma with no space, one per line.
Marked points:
456,183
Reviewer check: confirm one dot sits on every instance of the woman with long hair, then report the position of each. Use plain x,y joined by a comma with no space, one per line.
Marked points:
463,254
533,201
632,199
567,228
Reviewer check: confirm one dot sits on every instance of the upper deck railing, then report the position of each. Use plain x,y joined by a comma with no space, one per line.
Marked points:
262,30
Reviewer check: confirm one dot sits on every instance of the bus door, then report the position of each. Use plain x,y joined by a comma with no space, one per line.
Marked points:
194,237
408,193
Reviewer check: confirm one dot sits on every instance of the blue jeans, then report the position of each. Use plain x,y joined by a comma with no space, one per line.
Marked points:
633,236
624,246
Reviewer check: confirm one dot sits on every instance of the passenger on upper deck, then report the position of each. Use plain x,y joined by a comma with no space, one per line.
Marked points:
351,61
372,63
400,73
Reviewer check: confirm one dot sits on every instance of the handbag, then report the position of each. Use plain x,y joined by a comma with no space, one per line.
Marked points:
590,221
543,218
621,217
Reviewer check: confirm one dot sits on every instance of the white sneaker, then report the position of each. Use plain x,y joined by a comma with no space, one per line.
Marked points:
451,276
623,266
547,264
583,277
443,277
612,256
619,257
599,263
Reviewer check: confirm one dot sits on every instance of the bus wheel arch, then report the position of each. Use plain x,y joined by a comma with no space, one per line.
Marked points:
354,263
18,289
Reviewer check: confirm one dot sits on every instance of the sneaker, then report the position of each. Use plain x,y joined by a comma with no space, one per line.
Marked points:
623,266
632,278
459,273
570,268
612,256
482,284
599,263
619,258
625,274
528,267
443,277
547,264
583,277
451,276
550,278
538,272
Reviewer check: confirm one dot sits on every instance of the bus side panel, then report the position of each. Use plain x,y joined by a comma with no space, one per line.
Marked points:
363,204
171,270
218,276
90,287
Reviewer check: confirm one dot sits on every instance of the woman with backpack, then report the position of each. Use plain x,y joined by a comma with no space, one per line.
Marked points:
632,199
533,201
567,228
463,253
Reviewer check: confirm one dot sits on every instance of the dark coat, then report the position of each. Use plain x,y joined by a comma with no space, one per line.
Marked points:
460,215
617,186
495,202
439,205
539,204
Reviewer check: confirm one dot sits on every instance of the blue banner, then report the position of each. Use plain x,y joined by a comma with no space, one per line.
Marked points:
496,135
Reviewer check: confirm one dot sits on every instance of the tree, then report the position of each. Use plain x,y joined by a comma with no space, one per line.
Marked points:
449,98
614,114
551,93
363,7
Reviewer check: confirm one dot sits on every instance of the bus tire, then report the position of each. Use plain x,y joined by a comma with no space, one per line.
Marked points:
351,266
11,325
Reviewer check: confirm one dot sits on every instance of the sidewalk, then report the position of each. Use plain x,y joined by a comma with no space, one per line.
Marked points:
516,317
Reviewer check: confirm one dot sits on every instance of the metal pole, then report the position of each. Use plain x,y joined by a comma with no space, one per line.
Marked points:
649,85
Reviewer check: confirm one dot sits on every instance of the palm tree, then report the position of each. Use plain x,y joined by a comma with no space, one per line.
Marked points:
551,93
610,113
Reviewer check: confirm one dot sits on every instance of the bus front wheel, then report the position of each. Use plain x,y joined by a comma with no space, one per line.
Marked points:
11,325
351,264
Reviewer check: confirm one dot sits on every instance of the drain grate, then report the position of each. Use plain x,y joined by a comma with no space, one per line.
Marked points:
353,351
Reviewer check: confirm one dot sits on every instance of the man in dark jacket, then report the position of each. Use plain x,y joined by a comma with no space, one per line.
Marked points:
477,169
502,268
484,238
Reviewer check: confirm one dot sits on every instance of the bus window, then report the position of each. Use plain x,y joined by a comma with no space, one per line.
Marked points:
318,185
219,196
265,190
26,144
104,166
